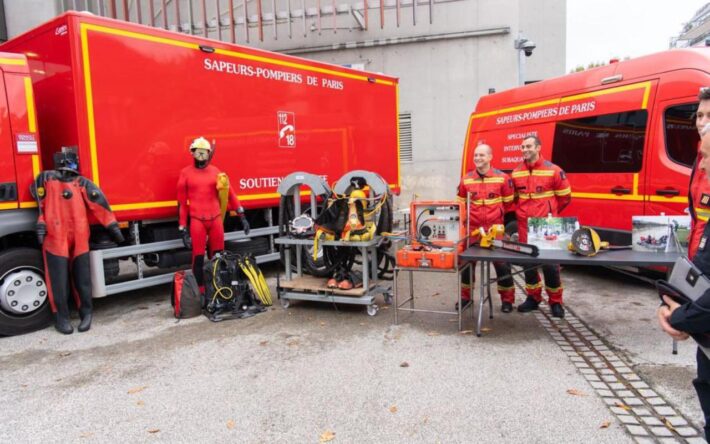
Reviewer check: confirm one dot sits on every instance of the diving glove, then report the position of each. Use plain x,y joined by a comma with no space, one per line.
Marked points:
186,240
41,231
115,233
243,219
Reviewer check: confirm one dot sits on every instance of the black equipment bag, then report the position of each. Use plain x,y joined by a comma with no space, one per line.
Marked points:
185,295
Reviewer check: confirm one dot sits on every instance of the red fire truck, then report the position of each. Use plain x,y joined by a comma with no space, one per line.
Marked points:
128,99
624,133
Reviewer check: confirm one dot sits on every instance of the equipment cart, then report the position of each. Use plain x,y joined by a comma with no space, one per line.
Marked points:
310,288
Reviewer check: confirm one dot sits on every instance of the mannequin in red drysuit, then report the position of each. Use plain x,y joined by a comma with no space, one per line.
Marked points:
197,197
65,201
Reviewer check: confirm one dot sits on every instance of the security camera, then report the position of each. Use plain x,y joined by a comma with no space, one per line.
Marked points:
528,47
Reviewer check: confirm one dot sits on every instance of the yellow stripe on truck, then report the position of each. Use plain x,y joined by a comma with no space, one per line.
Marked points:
29,99
17,62
8,205
241,55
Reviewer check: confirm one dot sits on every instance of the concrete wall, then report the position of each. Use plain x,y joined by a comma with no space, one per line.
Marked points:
466,49
22,15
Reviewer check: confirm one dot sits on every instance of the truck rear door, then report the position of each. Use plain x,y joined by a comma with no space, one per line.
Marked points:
8,178
21,136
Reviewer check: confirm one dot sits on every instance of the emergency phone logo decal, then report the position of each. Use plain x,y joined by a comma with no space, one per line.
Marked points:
287,129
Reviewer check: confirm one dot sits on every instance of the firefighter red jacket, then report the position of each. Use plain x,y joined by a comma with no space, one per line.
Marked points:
541,189
491,197
699,206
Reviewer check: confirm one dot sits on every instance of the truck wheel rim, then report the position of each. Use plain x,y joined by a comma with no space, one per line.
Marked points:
22,291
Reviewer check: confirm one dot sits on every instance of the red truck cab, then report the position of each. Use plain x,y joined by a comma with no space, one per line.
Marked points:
23,294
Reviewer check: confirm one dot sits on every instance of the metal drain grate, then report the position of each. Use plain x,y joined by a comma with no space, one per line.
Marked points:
644,413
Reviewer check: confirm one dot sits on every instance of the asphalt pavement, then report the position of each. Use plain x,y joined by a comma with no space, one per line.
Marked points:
323,373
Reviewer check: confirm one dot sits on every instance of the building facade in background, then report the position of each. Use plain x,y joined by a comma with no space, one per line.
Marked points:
447,53
696,32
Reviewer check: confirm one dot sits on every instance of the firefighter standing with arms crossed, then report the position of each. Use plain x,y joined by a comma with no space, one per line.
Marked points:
541,190
491,194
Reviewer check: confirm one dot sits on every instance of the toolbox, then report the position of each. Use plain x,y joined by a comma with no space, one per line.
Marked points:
437,231
410,257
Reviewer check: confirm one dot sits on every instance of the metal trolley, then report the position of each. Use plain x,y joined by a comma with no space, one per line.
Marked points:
310,288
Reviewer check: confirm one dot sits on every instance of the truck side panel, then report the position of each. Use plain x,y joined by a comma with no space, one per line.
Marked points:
132,97
592,134
237,99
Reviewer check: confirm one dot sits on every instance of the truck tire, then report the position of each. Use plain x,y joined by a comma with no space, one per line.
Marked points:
24,301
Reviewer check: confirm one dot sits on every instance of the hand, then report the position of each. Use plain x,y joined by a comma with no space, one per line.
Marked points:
245,224
41,231
116,234
664,313
186,240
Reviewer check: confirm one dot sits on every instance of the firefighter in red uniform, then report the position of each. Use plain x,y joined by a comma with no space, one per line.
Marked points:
699,189
541,189
65,201
491,194
197,196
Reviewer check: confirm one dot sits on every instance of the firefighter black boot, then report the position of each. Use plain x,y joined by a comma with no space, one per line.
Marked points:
85,323
62,325
530,304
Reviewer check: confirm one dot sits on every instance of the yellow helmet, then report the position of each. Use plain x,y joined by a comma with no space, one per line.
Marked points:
200,143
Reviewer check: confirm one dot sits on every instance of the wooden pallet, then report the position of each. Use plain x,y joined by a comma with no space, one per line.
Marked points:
318,285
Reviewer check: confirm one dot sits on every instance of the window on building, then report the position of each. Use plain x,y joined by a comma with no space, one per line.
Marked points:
405,137
611,143
681,135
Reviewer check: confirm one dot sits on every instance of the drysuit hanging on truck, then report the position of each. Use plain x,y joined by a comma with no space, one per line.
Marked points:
204,194
66,200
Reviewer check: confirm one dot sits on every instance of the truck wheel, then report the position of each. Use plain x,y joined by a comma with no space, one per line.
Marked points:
24,300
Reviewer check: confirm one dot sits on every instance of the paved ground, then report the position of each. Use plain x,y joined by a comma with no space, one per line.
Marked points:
312,372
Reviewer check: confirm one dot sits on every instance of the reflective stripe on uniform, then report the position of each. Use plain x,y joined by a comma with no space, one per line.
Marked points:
702,214
545,173
507,199
524,173
564,192
542,195
484,180
553,289
493,201
533,286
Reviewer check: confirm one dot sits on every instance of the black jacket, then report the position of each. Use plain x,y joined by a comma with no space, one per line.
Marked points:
694,317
